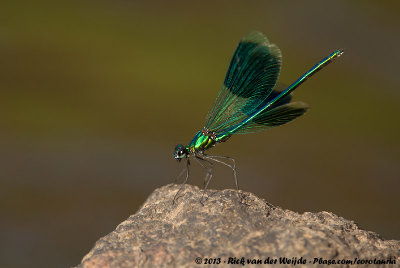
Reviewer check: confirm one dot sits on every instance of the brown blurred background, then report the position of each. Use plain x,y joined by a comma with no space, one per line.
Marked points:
94,95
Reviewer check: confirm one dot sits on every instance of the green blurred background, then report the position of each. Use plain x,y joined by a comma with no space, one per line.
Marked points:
95,95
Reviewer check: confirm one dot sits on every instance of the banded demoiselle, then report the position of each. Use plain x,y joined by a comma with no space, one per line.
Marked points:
248,102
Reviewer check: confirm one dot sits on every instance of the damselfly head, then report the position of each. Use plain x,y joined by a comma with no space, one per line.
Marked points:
180,152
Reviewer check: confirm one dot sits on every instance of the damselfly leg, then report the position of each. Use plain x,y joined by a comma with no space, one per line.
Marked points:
232,166
209,174
184,182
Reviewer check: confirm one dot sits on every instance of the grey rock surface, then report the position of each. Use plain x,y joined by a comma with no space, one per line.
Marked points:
161,234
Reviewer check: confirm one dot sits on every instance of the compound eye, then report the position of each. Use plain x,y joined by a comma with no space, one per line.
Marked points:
179,151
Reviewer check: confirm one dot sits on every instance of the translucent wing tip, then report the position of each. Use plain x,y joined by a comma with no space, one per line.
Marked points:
300,105
255,37
259,38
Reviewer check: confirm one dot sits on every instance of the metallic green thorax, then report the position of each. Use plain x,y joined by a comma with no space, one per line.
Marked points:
204,140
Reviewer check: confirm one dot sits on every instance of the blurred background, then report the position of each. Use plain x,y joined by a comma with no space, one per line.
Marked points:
94,95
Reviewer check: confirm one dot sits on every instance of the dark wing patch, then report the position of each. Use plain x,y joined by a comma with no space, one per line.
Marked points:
252,74
274,117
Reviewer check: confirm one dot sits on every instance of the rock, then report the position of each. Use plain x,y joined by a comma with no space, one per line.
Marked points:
162,234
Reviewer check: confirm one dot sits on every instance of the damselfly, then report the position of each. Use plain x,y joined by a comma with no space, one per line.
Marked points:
247,102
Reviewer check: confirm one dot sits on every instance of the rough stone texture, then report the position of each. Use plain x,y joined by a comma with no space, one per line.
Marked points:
161,234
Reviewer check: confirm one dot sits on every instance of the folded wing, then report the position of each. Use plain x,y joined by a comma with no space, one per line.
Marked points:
251,76
274,117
